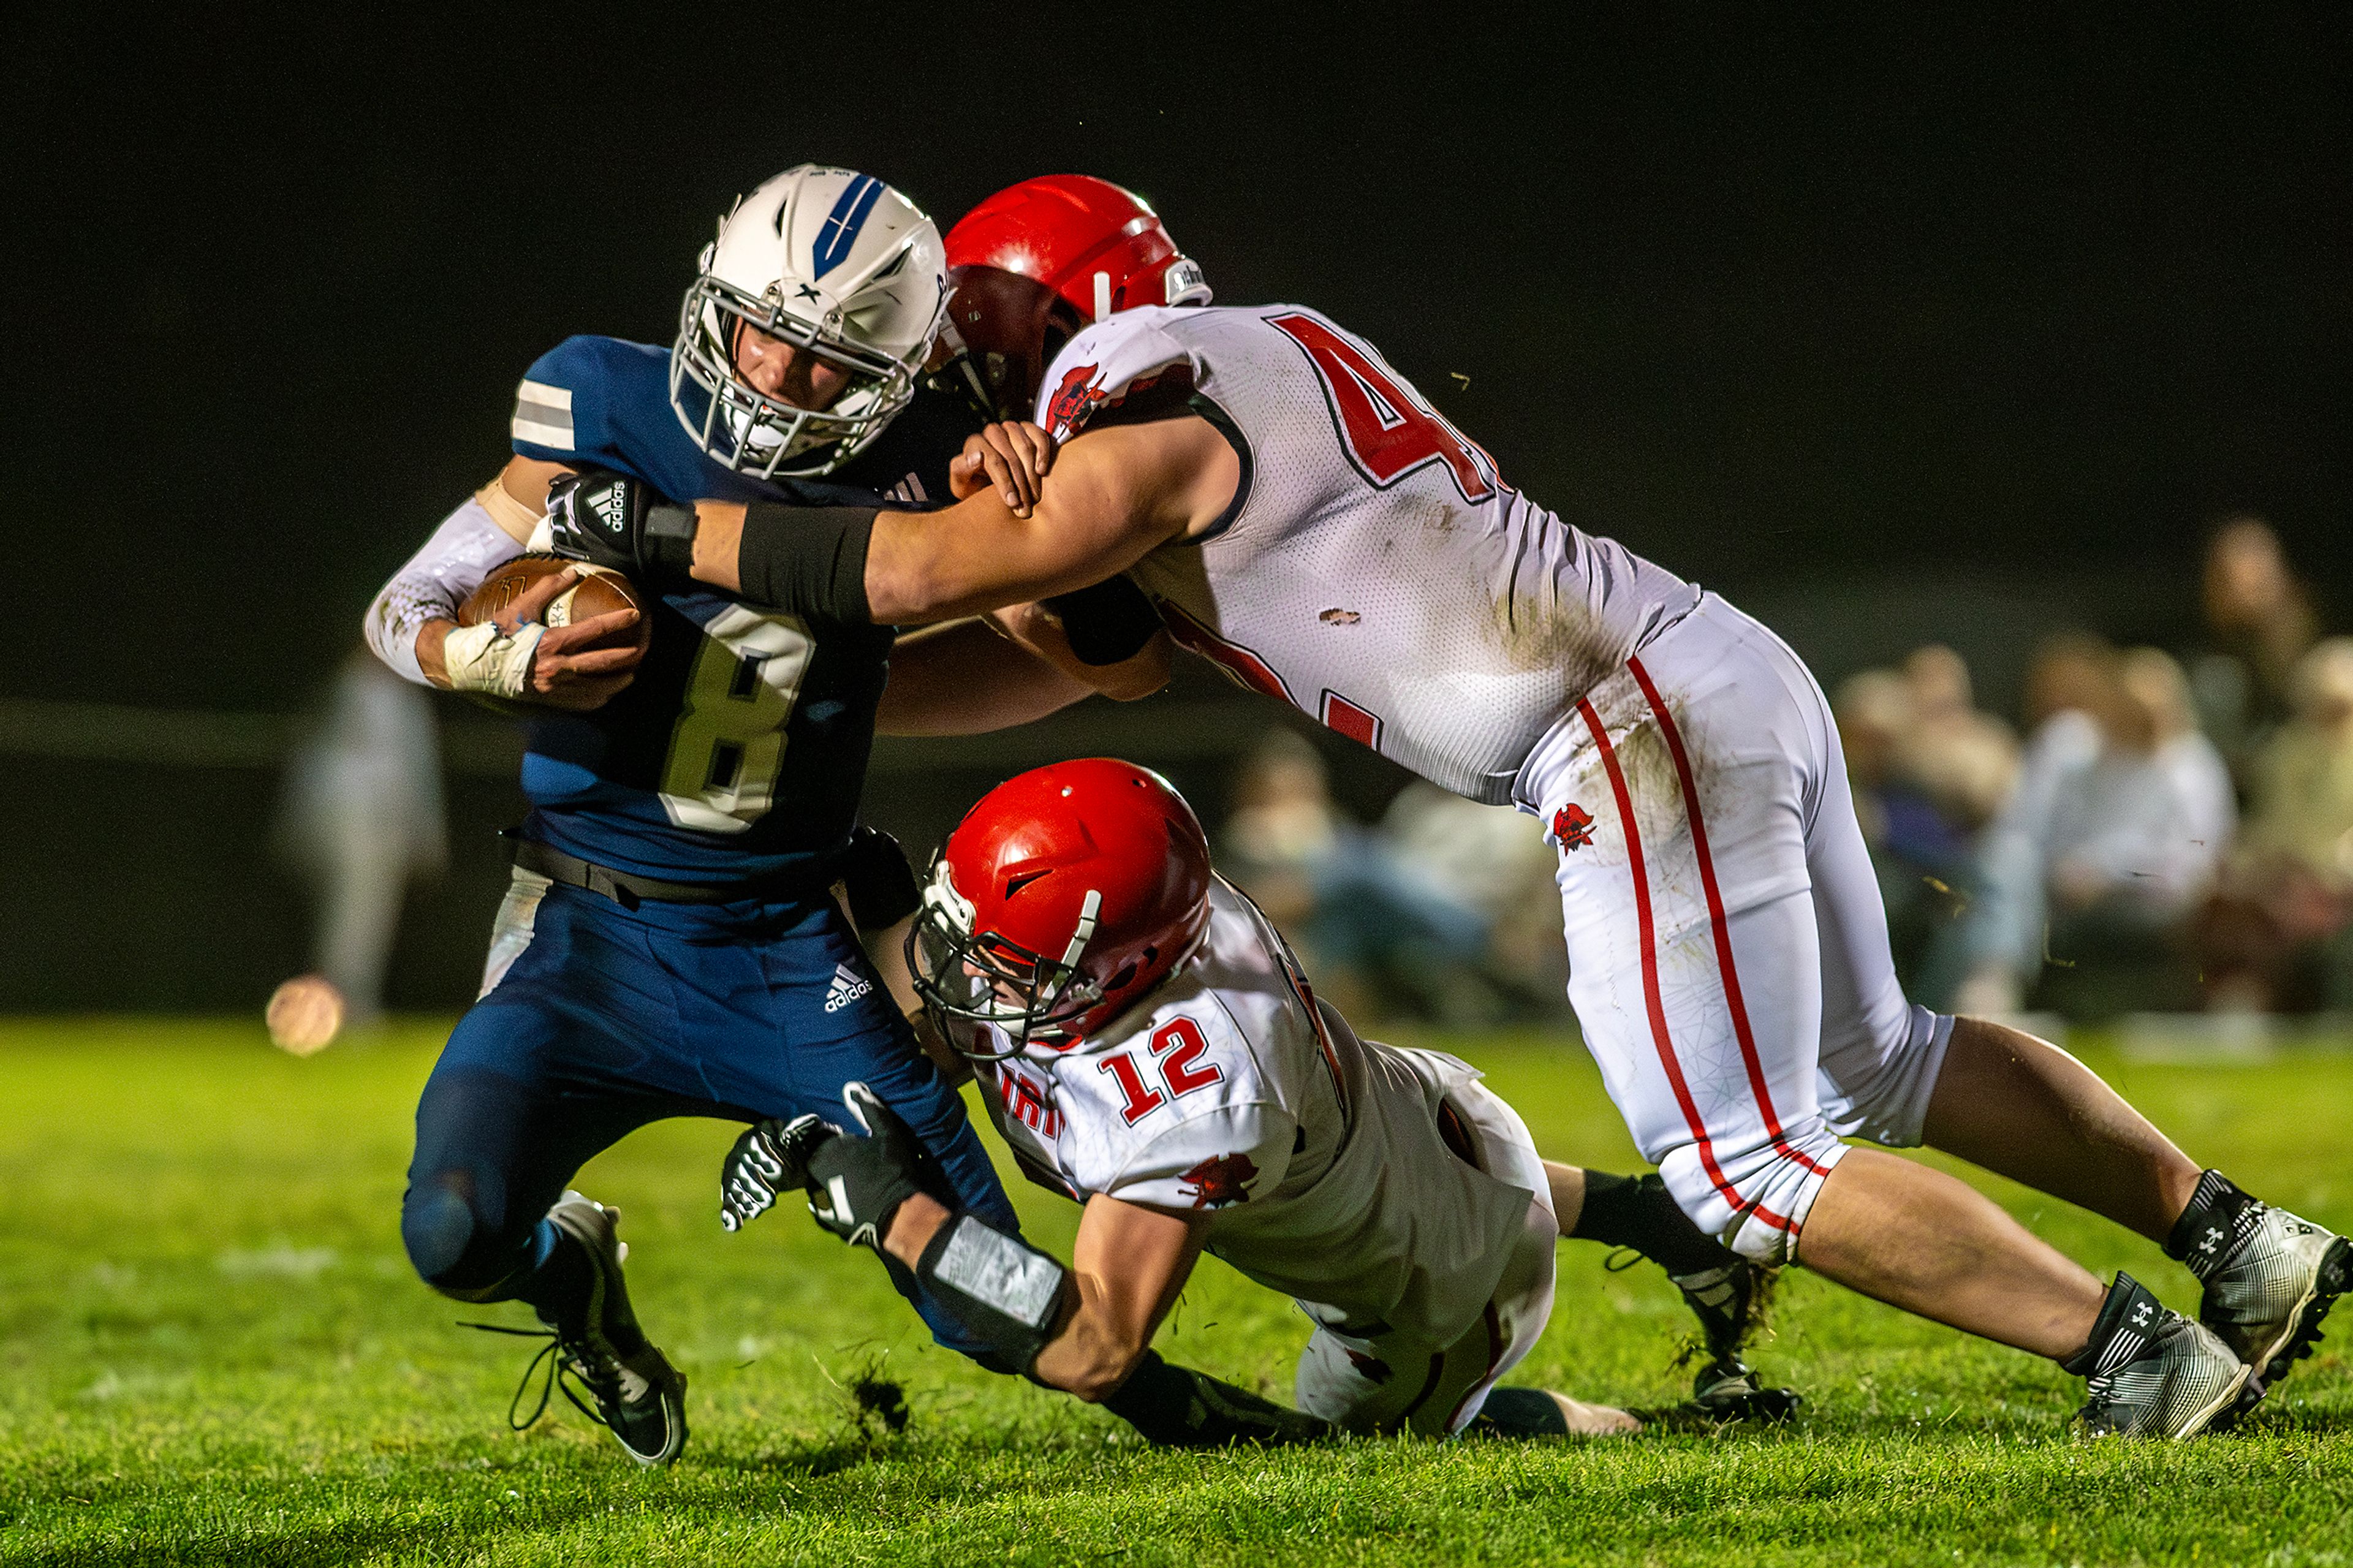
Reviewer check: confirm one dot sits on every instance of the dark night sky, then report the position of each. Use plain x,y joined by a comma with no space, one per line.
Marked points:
1763,301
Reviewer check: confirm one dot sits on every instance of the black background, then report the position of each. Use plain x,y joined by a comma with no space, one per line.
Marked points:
1889,326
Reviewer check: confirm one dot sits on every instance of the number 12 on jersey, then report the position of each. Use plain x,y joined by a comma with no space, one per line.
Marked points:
1177,1047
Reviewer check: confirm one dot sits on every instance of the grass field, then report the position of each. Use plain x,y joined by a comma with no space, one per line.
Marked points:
215,1352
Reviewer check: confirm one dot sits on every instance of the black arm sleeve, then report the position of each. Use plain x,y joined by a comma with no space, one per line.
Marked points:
1177,1407
1107,623
807,559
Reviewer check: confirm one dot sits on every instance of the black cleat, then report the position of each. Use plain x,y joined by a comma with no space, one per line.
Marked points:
1729,1391
636,1393
1729,1303
2268,1287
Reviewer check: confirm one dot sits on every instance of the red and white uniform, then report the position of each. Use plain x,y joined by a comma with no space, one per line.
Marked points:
1727,946
1321,1162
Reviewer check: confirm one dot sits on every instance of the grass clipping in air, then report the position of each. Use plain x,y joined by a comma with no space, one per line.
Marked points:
215,1352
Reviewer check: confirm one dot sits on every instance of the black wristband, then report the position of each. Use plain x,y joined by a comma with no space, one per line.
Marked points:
665,542
1107,622
807,559
1002,1289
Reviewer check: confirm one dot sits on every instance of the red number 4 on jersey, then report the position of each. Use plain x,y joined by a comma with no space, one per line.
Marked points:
1388,434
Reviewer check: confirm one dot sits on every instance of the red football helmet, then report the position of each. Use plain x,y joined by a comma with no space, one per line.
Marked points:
1063,896
1037,261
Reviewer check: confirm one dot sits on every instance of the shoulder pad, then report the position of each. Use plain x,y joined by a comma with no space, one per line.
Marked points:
1108,364
579,396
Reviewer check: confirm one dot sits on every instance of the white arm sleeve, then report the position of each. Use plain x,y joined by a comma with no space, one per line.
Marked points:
462,552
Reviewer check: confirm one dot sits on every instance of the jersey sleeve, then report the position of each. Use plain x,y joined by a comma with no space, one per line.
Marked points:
1112,364
1216,1159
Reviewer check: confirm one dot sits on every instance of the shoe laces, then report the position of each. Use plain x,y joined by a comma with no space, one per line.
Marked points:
567,1359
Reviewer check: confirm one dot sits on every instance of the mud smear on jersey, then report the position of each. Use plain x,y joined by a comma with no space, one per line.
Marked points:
1537,628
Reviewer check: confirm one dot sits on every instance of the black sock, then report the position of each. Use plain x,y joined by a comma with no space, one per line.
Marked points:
1636,1212
2129,1306
560,1286
2210,1229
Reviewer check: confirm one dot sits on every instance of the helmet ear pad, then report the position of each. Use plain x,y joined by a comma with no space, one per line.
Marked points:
1012,326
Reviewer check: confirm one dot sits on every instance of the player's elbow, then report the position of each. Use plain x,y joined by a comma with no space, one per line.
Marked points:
1095,1361
1140,675
1105,1377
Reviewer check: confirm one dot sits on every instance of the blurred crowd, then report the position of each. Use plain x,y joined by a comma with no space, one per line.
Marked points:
2165,830
2169,832
1444,910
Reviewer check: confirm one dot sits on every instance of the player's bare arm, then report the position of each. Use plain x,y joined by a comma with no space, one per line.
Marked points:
1114,495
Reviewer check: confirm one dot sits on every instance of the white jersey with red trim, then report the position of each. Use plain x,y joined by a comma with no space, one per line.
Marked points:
1319,1155
1375,570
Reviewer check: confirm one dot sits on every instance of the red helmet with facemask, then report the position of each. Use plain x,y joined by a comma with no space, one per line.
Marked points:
1036,262
1064,896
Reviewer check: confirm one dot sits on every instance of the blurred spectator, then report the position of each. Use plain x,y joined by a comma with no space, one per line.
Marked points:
1493,861
1373,933
362,817
1929,770
2279,936
2122,814
2259,623
1965,760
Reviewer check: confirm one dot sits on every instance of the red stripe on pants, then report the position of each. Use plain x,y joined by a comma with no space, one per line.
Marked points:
1731,995
1650,998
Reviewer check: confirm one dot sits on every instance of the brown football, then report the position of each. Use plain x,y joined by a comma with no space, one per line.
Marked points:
598,592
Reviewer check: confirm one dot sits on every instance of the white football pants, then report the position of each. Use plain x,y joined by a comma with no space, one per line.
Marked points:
1396,1380
1727,948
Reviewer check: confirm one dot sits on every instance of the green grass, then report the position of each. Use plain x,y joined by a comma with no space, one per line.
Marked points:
214,1352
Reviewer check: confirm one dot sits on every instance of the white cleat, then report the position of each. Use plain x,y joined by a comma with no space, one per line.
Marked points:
2160,1375
2268,1289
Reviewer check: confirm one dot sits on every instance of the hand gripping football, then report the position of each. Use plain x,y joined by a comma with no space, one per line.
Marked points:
599,591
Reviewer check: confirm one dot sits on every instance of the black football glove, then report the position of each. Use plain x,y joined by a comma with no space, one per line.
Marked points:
857,1183
767,1160
614,521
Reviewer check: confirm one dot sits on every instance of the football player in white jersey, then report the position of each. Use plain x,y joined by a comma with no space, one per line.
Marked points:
1149,1048
1296,510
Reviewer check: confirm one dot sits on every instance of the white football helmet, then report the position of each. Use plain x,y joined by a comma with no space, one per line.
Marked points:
836,263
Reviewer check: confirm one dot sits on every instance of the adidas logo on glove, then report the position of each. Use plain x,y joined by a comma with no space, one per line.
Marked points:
612,509
848,986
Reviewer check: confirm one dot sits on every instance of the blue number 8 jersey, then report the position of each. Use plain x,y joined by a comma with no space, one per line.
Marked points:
740,750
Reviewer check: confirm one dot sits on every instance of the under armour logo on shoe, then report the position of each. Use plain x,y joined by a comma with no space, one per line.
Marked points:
848,986
1572,826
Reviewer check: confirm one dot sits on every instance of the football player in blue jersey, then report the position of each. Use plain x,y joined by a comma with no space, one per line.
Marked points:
671,945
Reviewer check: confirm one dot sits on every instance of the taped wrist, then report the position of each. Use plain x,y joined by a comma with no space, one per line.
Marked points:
483,658
1177,1407
1107,622
880,882
807,559
1005,1290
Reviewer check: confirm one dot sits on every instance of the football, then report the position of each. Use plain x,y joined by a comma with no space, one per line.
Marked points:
599,591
